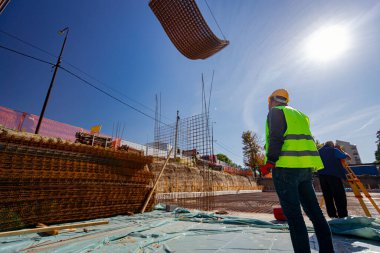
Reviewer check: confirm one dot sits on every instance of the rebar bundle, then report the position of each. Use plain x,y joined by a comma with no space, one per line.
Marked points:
45,180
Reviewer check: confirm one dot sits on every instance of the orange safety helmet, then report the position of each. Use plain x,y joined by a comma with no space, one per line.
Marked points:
280,93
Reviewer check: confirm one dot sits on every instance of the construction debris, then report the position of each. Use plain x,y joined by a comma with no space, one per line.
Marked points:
52,230
93,139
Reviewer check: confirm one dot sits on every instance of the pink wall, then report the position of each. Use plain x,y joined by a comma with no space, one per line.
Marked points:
26,122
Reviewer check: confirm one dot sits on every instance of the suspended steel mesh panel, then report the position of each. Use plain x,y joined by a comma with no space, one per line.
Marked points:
186,28
3,4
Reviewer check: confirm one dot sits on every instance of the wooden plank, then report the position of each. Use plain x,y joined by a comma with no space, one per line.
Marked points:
51,228
155,184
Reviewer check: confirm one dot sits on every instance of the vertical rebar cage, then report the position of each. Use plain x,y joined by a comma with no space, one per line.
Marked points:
193,139
193,148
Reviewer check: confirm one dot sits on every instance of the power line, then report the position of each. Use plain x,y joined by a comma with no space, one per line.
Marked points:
111,96
109,87
88,83
27,43
78,69
228,150
83,80
26,55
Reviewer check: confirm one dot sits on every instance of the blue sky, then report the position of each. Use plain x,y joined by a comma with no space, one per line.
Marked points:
122,44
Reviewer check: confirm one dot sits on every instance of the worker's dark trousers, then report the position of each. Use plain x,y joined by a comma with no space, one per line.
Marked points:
334,195
294,188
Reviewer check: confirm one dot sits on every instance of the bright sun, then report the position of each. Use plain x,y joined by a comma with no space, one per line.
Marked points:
328,43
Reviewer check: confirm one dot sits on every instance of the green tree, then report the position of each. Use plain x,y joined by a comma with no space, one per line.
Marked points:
252,151
224,158
318,143
377,152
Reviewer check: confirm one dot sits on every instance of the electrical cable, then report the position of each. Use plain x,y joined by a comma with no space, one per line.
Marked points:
83,80
26,55
111,96
27,43
112,89
78,69
226,149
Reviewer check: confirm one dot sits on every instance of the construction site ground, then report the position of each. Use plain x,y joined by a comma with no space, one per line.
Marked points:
263,202
160,231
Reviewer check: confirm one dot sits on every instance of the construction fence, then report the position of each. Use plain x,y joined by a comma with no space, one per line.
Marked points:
27,122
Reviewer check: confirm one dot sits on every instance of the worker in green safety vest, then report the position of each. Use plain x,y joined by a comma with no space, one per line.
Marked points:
292,156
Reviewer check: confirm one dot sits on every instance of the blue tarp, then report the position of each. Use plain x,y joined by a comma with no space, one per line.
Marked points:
363,227
365,170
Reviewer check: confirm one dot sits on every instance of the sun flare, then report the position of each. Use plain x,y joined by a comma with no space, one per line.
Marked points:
328,43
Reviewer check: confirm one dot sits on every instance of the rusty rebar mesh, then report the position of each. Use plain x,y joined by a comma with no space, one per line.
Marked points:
3,4
193,147
186,28
53,182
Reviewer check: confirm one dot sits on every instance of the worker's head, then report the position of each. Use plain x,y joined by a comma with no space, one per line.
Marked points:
329,144
278,97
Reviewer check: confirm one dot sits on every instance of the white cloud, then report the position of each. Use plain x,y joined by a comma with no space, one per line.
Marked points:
346,121
366,125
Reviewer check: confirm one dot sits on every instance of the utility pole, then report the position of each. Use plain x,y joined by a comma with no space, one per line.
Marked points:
176,136
52,80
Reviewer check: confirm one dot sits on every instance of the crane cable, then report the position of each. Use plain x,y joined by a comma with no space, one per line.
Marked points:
212,14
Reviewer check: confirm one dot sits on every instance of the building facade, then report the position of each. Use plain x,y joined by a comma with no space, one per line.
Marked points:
350,149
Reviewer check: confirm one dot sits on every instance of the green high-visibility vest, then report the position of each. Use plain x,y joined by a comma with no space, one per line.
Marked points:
299,149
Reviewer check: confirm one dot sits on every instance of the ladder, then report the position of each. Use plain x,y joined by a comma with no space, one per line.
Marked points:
357,186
